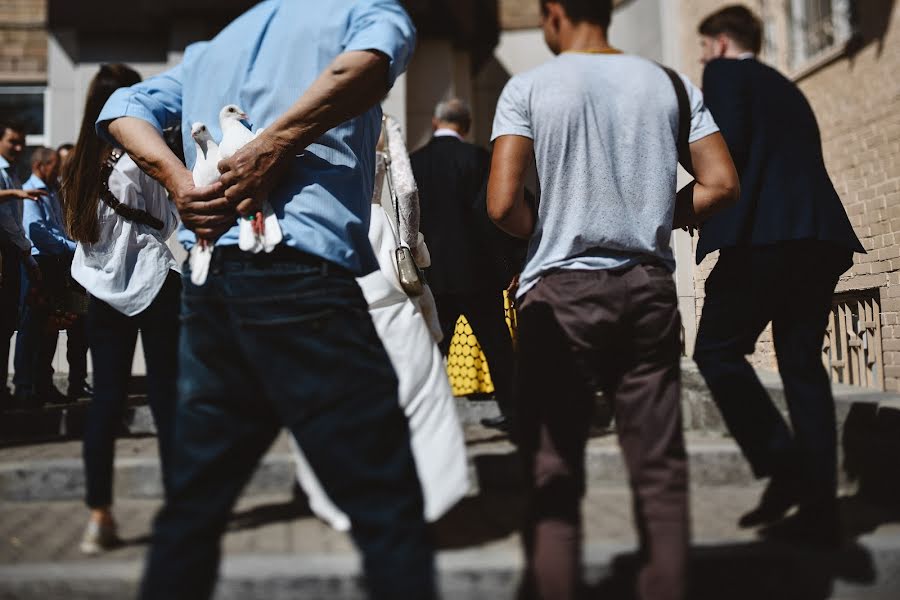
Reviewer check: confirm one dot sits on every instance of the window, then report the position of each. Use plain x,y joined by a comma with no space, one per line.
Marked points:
852,352
818,28
25,105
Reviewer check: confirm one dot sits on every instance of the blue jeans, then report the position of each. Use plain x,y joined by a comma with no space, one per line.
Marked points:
286,340
112,337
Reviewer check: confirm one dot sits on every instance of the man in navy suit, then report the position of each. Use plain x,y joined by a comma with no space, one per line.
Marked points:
783,247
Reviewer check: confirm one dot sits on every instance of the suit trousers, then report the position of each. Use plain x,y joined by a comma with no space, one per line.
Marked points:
790,285
484,311
36,343
285,340
9,311
618,331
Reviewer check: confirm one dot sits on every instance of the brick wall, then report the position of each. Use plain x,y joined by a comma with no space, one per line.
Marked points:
23,41
857,101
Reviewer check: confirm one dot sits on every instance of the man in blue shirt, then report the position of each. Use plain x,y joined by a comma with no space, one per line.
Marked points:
53,250
15,249
283,340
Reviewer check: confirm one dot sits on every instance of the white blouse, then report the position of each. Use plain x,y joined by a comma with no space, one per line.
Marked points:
129,264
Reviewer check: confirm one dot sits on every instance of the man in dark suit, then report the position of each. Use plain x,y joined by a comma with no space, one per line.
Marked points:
472,261
783,248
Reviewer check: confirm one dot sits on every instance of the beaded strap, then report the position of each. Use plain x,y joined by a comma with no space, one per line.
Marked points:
127,212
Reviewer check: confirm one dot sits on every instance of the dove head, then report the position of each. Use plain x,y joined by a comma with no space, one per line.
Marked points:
200,133
232,112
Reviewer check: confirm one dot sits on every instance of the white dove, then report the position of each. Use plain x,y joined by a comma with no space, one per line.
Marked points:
253,237
205,172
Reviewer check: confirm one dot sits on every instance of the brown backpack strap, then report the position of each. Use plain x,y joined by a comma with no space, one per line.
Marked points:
684,120
129,213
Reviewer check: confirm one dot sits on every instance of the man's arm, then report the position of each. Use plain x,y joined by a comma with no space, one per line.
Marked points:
353,83
135,118
202,209
21,194
41,233
716,184
506,201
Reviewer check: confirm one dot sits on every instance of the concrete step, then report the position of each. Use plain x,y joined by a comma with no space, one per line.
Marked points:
53,473
275,551
699,411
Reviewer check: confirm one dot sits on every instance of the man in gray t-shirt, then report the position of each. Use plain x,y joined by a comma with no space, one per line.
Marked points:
598,307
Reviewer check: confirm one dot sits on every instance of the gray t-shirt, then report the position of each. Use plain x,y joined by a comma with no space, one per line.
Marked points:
605,131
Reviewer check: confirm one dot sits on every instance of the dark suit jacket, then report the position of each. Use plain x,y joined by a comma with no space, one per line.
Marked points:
468,252
774,138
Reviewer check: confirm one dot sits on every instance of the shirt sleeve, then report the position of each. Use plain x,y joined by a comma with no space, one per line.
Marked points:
46,238
11,230
156,100
383,26
702,121
513,116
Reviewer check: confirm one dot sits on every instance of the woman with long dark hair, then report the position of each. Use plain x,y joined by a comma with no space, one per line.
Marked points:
121,219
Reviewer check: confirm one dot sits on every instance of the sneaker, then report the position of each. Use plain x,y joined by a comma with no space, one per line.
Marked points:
99,537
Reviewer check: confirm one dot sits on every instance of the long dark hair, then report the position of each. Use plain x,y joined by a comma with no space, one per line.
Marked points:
81,177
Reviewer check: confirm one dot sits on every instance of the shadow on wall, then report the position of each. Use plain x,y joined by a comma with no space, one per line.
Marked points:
873,19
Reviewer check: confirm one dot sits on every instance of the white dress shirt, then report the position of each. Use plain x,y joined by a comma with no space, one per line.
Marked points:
129,264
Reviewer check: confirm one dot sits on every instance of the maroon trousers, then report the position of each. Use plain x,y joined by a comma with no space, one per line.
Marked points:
619,332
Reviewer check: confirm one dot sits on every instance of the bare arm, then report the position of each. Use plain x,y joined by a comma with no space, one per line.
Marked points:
507,205
352,84
203,210
716,184
21,194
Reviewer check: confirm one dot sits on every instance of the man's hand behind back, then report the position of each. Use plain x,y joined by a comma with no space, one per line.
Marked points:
249,175
203,210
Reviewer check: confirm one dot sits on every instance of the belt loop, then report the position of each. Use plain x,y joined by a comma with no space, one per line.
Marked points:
324,269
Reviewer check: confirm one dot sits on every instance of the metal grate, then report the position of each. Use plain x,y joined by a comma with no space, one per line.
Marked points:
852,351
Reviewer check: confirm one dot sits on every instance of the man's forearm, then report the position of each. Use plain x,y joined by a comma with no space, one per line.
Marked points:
697,202
352,84
518,220
148,149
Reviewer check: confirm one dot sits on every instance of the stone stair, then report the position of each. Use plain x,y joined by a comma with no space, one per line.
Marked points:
275,549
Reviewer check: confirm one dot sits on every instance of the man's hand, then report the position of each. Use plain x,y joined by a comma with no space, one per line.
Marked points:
203,210
22,195
249,175
32,270
513,289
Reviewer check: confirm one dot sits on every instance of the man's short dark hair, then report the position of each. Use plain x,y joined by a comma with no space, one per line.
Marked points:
737,22
598,12
68,146
10,124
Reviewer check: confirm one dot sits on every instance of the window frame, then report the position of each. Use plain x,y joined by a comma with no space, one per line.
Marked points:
31,139
800,60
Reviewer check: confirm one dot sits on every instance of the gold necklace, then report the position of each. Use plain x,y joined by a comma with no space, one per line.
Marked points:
609,50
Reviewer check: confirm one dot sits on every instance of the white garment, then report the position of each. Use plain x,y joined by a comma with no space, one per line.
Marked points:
129,264
409,330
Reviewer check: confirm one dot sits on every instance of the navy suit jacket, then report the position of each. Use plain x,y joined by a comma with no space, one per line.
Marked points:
774,138
469,253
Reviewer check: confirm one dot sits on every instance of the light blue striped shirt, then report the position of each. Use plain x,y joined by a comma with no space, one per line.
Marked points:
263,62
43,222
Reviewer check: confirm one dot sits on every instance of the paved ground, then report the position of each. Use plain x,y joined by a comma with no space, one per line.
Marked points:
50,531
